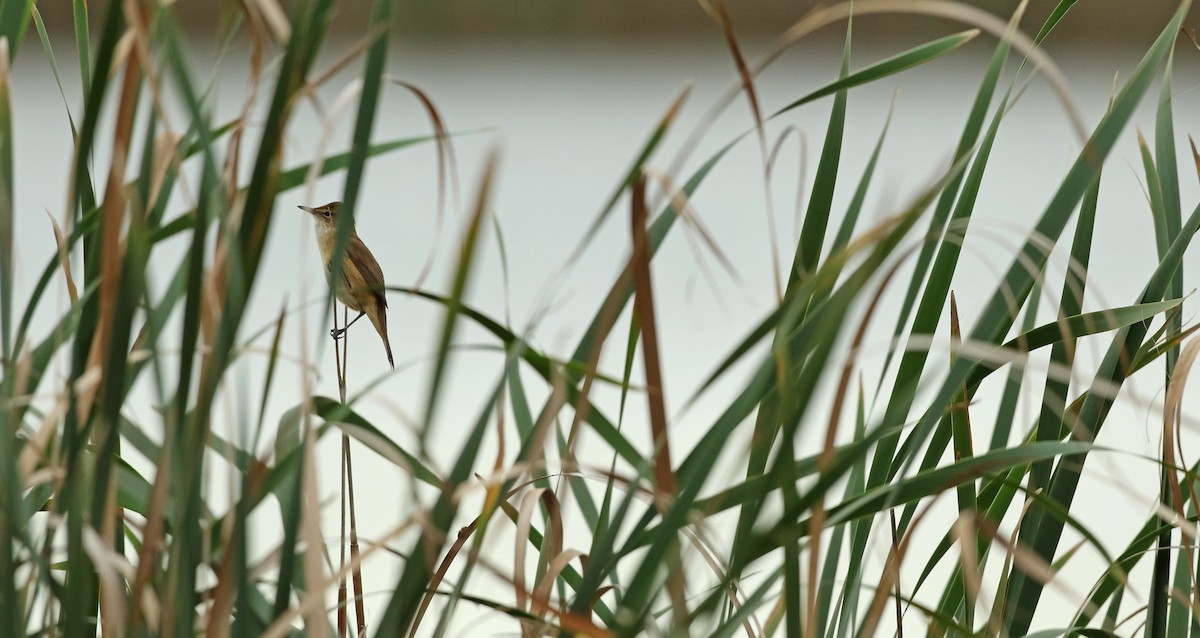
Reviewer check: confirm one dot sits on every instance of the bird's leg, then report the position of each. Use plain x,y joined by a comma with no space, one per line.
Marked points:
337,333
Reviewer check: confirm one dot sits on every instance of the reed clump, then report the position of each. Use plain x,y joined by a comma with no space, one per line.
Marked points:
127,511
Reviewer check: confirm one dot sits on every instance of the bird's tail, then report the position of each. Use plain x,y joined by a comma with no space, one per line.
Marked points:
388,347
379,319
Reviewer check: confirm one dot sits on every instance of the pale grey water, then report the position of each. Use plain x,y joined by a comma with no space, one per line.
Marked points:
570,119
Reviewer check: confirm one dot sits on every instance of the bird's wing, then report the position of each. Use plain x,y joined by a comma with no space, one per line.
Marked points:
371,274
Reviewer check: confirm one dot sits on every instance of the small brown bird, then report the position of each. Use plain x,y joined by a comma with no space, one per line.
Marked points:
361,286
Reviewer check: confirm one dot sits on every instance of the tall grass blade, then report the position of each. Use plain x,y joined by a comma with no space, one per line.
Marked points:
1112,372
10,494
83,45
926,320
1167,220
368,101
45,39
816,217
937,223
998,314
1007,412
14,21
7,188
411,587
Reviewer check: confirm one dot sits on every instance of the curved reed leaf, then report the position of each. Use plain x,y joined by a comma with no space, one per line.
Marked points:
932,482
903,61
545,368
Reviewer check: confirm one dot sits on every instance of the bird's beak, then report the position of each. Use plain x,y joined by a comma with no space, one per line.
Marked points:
306,209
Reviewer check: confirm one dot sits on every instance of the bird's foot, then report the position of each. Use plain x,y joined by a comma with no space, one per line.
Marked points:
337,333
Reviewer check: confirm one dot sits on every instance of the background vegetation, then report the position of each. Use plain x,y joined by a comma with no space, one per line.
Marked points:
93,541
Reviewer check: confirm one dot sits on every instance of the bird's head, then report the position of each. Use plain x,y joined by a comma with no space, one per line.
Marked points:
326,216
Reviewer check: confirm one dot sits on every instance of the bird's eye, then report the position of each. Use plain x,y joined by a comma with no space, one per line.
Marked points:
326,214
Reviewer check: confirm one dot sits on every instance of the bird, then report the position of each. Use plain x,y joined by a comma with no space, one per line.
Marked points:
361,286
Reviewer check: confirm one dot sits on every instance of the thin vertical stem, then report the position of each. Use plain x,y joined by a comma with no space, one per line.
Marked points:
341,360
664,477
896,553
360,612
341,610
341,613
344,342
